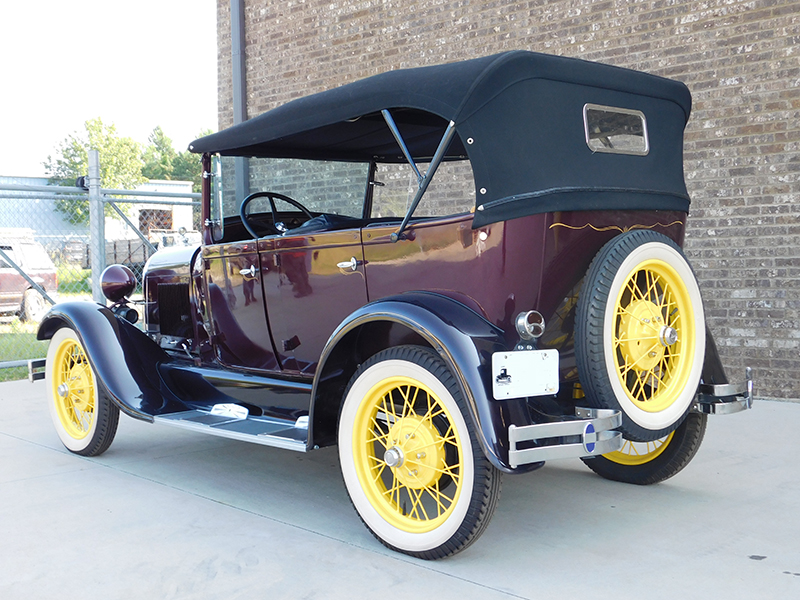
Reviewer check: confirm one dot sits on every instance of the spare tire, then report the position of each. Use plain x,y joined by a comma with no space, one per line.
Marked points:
640,333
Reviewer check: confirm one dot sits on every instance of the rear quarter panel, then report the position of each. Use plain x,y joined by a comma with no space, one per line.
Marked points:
499,270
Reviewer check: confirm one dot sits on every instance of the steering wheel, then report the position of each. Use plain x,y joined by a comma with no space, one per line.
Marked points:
280,227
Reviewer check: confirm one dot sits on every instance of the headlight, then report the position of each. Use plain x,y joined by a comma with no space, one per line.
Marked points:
117,282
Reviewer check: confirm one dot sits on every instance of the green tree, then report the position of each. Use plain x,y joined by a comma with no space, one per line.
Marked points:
120,164
188,166
162,161
159,156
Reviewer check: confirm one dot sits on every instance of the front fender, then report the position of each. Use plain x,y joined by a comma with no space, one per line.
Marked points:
465,340
124,359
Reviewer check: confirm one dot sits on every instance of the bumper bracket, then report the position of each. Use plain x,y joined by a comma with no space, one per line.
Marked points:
727,398
589,433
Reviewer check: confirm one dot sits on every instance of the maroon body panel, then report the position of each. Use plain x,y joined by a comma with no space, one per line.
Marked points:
269,306
531,263
307,294
235,301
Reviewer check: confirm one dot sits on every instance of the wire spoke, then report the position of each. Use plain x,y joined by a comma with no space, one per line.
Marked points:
408,402
378,465
633,288
619,340
382,440
666,299
443,501
664,366
388,407
395,487
416,503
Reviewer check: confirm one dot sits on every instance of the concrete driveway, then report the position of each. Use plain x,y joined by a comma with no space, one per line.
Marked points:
172,514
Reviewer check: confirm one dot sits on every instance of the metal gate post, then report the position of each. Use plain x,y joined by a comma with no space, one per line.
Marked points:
239,77
97,226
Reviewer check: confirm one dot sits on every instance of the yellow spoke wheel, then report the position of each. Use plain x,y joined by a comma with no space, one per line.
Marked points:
645,463
411,464
654,331
73,389
85,420
639,453
640,333
403,436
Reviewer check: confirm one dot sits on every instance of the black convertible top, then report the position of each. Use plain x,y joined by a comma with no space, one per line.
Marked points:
518,118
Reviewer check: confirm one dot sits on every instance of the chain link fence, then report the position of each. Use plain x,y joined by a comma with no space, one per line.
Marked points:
47,249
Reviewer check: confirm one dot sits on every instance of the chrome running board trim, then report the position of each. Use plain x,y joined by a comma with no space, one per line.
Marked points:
258,430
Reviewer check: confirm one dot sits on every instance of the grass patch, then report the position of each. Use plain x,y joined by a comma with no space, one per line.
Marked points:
74,280
18,342
13,374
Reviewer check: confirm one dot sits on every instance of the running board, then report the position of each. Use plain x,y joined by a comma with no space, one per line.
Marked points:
232,424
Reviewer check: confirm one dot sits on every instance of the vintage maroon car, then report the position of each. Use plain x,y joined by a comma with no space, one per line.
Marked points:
452,272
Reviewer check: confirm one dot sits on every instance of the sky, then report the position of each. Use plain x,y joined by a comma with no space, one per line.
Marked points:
136,65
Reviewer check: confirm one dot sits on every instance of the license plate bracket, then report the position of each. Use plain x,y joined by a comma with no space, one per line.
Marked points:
522,373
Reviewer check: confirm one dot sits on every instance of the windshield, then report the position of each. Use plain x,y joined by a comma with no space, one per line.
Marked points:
321,186
338,188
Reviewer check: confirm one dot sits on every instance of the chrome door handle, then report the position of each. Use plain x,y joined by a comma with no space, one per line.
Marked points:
251,272
349,264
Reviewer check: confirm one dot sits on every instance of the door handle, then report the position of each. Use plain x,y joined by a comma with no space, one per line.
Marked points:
351,264
251,272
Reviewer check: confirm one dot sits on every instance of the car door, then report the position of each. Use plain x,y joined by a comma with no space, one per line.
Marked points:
312,282
241,336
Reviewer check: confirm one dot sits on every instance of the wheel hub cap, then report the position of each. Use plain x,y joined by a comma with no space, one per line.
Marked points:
640,332
79,391
668,336
63,390
419,450
394,457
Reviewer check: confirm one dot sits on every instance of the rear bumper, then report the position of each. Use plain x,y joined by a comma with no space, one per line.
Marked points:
589,433
725,399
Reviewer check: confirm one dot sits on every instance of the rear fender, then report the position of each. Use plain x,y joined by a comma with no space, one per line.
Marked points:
713,371
124,359
464,339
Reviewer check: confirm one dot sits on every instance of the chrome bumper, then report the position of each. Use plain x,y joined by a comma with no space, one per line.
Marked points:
591,433
727,398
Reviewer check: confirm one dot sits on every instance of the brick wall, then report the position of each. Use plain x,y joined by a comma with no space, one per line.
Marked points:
741,60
